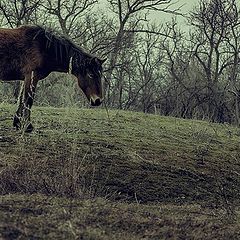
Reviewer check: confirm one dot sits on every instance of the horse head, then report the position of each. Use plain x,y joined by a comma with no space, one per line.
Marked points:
89,77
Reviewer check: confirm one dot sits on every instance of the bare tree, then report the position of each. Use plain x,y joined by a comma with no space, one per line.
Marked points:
149,59
68,13
233,49
18,12
211,22
177,60
131,16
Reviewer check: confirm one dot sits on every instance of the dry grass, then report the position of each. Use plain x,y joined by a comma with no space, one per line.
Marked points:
41,217
105,172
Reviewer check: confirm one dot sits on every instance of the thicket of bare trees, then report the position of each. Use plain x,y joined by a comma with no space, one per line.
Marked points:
155,68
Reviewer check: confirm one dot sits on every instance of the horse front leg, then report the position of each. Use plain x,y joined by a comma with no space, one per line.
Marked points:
18,116
22,117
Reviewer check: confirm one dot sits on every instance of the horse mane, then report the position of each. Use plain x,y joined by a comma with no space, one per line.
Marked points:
59,45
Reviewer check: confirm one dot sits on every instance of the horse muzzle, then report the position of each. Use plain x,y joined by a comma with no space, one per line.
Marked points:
95,101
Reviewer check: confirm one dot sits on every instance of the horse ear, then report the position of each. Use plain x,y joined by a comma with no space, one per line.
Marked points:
97,61
102,60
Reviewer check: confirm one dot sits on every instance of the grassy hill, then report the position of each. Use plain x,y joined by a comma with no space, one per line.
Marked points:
82,175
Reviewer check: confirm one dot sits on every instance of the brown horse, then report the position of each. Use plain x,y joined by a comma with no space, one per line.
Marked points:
31,53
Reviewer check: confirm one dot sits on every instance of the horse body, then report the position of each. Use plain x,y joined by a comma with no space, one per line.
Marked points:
11,54
31,53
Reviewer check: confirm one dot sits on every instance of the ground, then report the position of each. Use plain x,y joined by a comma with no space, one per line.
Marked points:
89,174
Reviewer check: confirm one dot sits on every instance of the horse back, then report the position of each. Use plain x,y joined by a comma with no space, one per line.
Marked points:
19,53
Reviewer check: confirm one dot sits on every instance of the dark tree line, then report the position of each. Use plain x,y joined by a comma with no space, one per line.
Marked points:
154,68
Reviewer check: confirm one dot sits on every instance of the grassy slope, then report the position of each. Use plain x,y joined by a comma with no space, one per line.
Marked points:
135,176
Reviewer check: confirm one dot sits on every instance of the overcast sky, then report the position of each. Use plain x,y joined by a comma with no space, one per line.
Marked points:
161,17
187,6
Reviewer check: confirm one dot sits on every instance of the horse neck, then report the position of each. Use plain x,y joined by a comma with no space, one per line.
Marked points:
70,62
61,64
78,62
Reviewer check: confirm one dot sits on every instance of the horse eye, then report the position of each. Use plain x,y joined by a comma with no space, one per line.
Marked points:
90,75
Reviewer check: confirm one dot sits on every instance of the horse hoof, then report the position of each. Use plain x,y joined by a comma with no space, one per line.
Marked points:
29,128
16,123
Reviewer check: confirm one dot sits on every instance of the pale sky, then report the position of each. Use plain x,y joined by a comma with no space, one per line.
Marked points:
187,6
161,17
